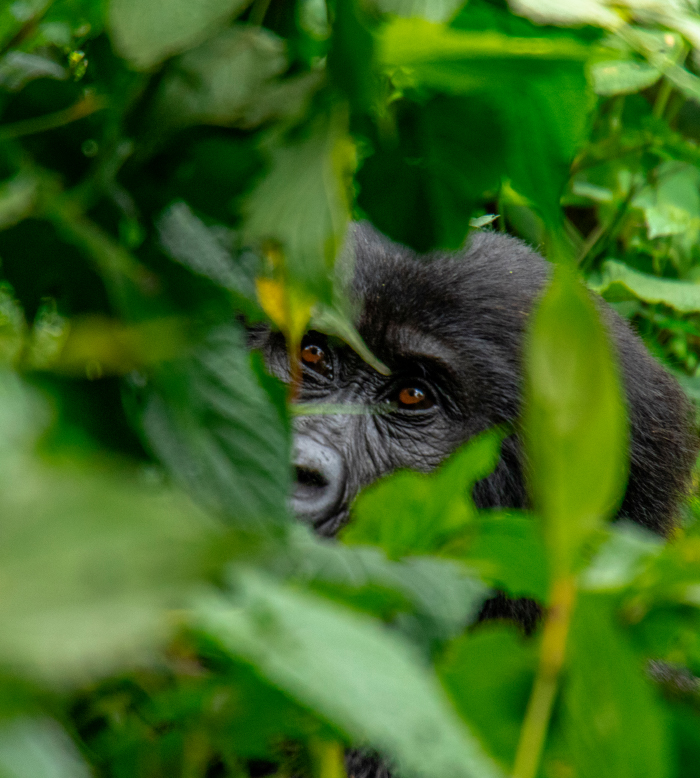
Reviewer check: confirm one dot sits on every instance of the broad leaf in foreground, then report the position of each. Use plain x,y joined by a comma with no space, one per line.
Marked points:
361,677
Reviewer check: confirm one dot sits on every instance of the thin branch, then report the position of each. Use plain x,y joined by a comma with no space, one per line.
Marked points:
539,710
88,105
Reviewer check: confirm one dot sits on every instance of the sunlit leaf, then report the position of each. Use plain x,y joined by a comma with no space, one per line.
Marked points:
433,10
353,671
574,419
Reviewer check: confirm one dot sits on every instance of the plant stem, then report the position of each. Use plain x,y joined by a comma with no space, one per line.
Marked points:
662,98
258,11
89,104
552,651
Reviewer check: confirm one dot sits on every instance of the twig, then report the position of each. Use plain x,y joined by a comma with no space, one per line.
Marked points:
552,651
88,105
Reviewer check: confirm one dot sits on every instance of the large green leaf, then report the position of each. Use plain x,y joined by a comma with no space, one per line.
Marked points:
147,31
211,420
574,420
621,282
360,676
614,725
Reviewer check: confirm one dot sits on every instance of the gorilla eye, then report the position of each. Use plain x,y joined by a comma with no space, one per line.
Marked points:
414,398
315,358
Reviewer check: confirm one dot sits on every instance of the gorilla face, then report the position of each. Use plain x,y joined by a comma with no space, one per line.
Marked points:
450,328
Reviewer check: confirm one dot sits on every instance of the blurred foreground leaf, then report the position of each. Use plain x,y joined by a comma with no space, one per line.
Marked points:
361,677
613,723
38,748
146,33
574,419
92,556
212,421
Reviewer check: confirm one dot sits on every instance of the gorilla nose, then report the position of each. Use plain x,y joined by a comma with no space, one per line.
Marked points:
319,480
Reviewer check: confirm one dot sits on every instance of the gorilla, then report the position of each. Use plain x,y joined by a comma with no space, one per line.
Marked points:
450,327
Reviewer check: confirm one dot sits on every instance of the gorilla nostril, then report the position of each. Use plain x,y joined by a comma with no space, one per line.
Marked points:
307,476
320,480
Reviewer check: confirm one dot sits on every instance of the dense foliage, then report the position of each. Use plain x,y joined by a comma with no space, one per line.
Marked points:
171,169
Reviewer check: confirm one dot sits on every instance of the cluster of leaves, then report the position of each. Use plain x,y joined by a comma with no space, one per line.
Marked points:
169,169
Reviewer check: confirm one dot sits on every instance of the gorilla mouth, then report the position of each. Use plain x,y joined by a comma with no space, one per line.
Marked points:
309,480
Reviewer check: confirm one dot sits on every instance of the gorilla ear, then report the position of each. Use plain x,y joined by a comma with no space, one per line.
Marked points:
332,321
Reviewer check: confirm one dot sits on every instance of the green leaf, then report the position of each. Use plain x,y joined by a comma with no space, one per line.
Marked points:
672,205
92,556
441,590
231,80
509,554
356,673
621,558
211,421
622,77
188,240
614,725
146,32
488,674
574,420
533,114
621,282
410,513
38,748
301,206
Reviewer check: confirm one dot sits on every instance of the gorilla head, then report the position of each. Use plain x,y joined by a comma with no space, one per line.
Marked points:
450,327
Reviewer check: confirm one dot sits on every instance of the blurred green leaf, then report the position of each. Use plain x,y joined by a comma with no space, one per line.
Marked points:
614,725
232,80
92,556
422,187
441,590
574,419
621,282
416,513
489,674
300,209
621,558
621,77
145,33
38,748
356,673
509,553
219,432
672,204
